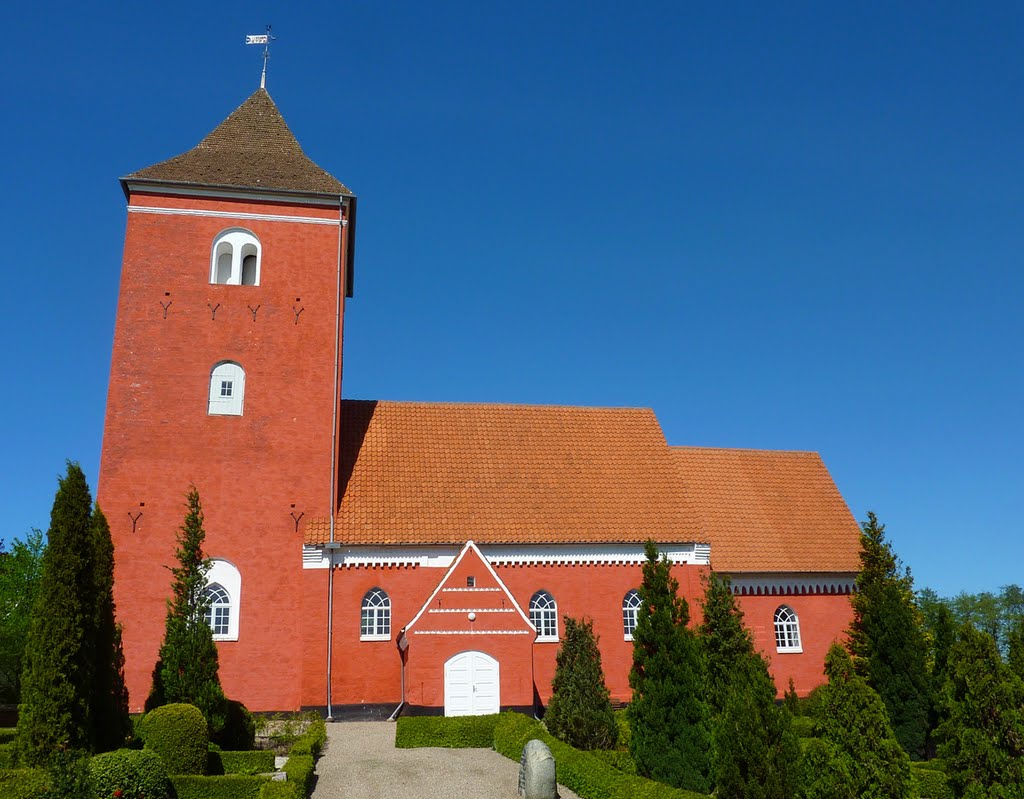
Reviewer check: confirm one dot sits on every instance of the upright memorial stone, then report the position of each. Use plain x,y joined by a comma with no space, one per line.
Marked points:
537,772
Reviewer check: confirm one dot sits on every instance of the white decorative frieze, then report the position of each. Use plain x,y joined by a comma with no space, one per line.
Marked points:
793,584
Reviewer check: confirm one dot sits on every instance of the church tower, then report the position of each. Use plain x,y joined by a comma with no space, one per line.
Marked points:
226,375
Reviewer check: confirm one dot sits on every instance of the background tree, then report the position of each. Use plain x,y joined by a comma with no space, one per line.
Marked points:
855,753
983,736
111,723
1015,648
943,636
756,753
187,669
60,654
21,570
671,735
887,638
580,710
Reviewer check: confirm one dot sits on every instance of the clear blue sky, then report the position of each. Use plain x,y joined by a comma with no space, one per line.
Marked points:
779,225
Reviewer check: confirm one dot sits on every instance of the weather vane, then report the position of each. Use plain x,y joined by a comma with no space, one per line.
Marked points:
265,39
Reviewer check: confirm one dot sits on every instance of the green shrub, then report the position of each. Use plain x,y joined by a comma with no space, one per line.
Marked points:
930,782
137,773
178,733
312,741
231,786
7,756
300,769
24,783
802,726
617,759
625,733
257,762
452,732
810,705
239,731
512,731
7,734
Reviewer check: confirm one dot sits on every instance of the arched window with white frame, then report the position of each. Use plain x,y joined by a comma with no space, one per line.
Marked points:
787,630
375,623
227,389
223,593
236,258
630,605
544,616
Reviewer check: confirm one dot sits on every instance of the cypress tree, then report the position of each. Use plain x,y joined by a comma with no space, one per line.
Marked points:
60,655
856,753
1015,648
671,735
943,638
887,638
187,669
580,710
756,752
983,736
109,708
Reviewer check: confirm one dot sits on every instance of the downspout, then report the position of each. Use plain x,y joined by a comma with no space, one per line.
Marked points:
333,507
403,644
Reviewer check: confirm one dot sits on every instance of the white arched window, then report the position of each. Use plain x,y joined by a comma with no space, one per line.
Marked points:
630,605
227,389
375,624
787,630
544,616
224,593
236,258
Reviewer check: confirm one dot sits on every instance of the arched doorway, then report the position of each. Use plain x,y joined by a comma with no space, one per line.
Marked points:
472,685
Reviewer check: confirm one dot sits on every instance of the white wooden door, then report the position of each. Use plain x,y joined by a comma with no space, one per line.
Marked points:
471,685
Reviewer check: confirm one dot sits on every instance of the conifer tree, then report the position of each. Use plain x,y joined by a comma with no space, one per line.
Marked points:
187,670
109,708
580,710
756,752
60,655
1015,648
983,736
671,735
943,637
856,755
887,638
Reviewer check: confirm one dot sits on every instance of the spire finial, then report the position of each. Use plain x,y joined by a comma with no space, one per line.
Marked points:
265,39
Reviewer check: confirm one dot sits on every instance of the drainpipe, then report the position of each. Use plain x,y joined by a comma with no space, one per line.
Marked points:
333,546
403,645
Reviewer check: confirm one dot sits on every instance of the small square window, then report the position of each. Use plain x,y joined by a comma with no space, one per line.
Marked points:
225,388
470,582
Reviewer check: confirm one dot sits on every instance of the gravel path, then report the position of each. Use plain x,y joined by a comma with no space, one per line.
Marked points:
361,762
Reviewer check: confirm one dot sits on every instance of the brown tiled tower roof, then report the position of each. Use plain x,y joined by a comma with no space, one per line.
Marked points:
769,511
441,473
253,149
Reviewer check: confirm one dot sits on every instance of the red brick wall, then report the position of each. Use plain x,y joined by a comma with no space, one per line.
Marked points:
251,471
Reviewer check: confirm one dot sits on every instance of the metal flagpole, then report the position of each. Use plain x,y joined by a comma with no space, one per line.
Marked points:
265,39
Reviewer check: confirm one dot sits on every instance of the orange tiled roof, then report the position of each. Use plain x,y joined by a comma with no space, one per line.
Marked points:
433,473
766,510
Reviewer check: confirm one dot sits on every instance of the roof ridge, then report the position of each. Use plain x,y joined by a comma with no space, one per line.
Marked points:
552,406
745,449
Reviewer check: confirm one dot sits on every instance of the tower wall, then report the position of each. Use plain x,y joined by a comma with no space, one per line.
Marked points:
252,471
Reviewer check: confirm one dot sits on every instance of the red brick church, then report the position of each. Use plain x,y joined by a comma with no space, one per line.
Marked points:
371,554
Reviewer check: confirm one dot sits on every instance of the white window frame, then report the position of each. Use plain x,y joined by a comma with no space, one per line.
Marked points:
375,616
631,603
225,575
236,244
787,630
232,405
544,615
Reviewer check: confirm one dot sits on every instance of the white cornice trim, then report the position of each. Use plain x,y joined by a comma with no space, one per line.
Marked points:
471,632
507,555
237,215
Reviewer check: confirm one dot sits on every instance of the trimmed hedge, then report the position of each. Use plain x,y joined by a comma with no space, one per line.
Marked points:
178,733
7,757
230,786
300,770
239,731
583,772
137,773
280,790
930,781
256,762
24,783
7,734
312,741
452,732
617,759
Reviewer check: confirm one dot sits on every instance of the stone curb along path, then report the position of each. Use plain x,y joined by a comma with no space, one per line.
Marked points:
361,762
